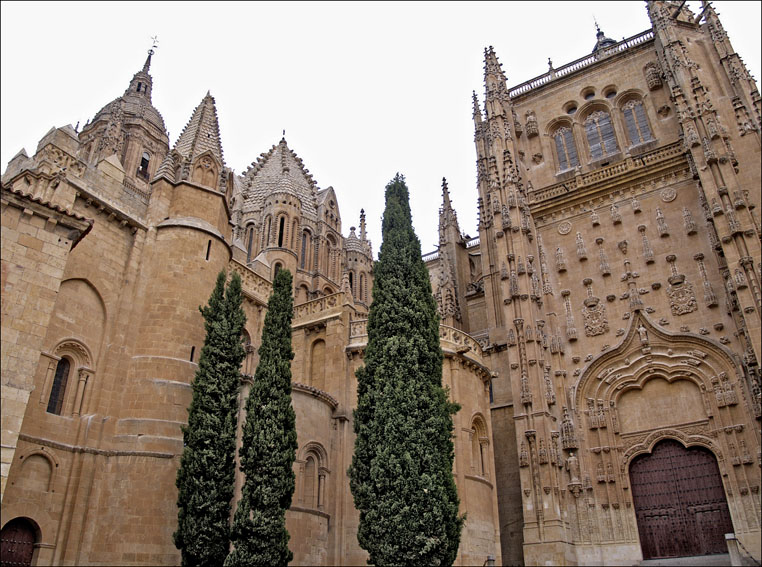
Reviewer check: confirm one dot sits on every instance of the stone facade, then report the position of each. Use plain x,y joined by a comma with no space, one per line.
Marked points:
614,284
611,301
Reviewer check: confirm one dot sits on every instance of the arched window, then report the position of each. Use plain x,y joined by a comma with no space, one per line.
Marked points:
281,231
637,125
143,169
58,390
276,269
479,443
600,134
310,482
565,149
292,236
313,470
304,293
363,296
352,283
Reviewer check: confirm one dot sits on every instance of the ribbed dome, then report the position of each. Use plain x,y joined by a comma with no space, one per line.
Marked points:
132,106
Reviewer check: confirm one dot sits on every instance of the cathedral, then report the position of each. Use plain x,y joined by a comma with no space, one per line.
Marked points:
601,334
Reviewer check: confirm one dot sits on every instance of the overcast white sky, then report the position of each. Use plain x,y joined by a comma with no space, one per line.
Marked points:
363,90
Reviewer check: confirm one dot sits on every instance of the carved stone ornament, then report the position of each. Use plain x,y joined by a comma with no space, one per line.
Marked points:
594,314
564,228
668,194
682,300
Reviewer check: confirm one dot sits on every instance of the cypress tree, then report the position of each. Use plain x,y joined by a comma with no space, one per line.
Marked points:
401,473
268,451
207,466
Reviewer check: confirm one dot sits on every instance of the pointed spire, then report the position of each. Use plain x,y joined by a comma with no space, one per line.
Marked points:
154,45
447,217
362,224
494,78
202,133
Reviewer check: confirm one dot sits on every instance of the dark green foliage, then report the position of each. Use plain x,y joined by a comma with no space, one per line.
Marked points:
268,452
401,474
207,466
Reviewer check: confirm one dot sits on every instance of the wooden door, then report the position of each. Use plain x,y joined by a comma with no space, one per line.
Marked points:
679,502
17,543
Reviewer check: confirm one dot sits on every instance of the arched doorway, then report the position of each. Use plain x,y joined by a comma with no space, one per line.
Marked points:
679,502
17,540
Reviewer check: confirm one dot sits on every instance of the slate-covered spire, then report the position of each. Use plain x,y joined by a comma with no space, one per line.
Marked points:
202,133
601,40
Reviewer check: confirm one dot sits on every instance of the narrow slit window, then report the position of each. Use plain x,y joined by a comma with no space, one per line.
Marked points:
208,249
249,243
58,390
193,351
281,228
302,259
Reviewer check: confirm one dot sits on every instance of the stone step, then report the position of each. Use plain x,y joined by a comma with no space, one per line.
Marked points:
693,561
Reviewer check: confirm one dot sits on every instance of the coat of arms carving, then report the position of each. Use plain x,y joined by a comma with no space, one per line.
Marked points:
682,300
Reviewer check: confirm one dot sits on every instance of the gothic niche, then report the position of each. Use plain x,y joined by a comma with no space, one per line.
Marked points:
205,172
594,313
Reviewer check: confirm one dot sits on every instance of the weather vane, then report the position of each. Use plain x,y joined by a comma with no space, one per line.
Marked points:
155,40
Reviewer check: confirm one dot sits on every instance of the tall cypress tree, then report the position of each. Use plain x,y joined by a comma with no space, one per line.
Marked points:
268,451
401,473
207,466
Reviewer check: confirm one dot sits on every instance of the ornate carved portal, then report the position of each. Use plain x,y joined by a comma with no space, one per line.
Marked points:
679,502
